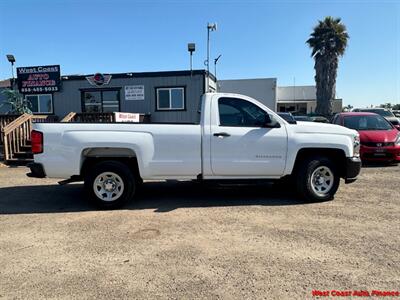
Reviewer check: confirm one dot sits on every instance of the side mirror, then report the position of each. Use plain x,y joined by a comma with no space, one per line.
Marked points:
267,120
269,123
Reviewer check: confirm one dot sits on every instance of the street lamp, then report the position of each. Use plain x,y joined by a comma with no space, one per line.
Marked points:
191,49
11,59
210,27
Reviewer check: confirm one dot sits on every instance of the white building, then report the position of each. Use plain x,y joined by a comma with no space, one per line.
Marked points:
301,99
261,89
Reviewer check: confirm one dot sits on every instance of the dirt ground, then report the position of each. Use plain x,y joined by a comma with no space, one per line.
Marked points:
185,241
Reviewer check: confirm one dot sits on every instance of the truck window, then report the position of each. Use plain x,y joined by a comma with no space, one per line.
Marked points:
238,112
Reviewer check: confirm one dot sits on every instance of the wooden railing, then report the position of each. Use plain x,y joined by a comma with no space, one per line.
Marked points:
16,135
16,132
98,117
4,121
7,119
94,117
44,119
69,118
89,117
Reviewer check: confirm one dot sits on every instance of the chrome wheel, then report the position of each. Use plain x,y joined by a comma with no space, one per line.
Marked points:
108,186
322,180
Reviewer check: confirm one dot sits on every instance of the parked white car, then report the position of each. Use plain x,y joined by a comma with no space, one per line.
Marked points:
237,138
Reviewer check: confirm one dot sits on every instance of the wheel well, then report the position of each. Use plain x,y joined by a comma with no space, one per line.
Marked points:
131,162
338,156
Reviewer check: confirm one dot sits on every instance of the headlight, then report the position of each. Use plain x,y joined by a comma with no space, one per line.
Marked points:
356,146
397,142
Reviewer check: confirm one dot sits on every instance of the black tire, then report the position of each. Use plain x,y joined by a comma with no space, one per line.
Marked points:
304,183
115,167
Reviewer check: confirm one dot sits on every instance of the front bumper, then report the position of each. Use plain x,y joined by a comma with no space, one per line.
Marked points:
37,170
353,168
388,153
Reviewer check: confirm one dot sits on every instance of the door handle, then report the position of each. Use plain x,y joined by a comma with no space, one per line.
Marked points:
222,134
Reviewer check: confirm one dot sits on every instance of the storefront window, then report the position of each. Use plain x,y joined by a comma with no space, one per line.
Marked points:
100,101
42,103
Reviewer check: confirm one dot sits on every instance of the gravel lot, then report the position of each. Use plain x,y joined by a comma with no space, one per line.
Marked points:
185,241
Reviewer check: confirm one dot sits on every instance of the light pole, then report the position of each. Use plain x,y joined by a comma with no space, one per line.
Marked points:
210,27
11,59
294,93
191,49
215,69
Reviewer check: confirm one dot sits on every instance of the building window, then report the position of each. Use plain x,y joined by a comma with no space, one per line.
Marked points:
98,101
42,103
171,98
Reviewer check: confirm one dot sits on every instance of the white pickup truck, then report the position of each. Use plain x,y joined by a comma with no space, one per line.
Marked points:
237,138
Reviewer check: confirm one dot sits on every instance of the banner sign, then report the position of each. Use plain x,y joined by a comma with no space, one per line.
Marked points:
134,92
40,79
126,117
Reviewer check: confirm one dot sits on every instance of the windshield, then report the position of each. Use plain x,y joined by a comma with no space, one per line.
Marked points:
367,123
381,112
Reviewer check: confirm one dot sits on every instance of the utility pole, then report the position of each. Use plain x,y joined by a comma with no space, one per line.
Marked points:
210,27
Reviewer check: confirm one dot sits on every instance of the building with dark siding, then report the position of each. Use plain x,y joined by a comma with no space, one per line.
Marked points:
169,96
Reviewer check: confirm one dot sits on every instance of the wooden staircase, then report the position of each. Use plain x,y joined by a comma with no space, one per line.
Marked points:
16,138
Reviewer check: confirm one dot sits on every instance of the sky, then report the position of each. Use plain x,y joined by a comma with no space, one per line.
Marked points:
257,39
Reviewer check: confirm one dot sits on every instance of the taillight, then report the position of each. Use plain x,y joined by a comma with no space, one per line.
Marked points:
37,142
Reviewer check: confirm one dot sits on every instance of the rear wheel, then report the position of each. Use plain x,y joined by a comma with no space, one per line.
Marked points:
317,179
110,184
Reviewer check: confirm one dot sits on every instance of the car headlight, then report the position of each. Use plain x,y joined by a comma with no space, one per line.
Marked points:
397,142
356,146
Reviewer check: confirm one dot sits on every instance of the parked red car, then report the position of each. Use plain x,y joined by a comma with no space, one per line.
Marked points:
380,140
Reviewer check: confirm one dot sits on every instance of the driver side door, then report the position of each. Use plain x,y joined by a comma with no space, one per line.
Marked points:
242,144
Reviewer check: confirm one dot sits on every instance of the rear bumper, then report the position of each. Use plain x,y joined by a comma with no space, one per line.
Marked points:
353,168
37,170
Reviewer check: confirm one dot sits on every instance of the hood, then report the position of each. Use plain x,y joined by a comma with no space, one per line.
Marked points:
315,127
378,136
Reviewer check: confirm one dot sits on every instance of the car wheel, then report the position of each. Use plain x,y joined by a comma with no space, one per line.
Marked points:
110,184
317,179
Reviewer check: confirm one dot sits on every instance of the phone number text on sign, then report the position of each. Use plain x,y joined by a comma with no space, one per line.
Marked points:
40,89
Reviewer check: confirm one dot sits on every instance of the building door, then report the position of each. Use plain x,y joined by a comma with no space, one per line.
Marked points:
97,101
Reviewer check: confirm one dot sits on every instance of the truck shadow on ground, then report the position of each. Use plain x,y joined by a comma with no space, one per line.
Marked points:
160,196
378,164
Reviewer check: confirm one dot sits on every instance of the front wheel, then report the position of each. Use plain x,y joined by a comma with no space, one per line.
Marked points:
110,184
317,179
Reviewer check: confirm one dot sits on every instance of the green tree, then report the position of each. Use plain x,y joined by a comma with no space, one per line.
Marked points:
347,108
387,105
328,42
17,103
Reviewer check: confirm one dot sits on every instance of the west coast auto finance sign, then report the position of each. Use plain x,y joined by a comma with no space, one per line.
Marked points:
37,80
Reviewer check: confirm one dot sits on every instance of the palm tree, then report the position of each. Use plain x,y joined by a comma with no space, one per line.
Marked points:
328,42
